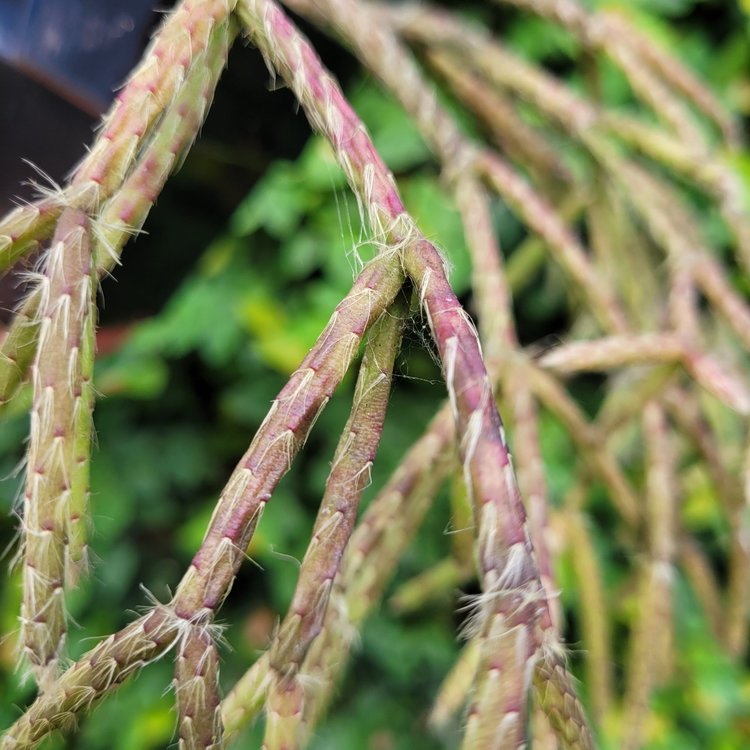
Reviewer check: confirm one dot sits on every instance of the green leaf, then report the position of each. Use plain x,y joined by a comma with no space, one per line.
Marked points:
395,136
276,204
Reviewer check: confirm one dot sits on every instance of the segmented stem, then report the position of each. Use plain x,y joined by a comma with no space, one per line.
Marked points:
246,699
583,120
596,31
674,74
125,212
378,543
196,684
25,227
456,687
210,575
280,437
526,145
95,675
593,610
177,48
350,475
57,477
18,349
588,438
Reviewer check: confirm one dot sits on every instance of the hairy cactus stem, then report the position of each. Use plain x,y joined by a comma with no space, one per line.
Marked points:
196,684
565,246
452,696
176,49
382,52
284,706
96,674
78,516
125,212
614,352
498,334
557,694
385,56
672,227
491,289
662,507
18,349
281,436
286,51
442,579
623,403
246,699
699,572
593,603
383,534
56,494
442,30
377,544
675,74
462,523
709,170
589,441
514,605
652,349
529,257
349,476
513,135
684,408
24,227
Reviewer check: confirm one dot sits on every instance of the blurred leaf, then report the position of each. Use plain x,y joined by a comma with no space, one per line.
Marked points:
127,375
276,204
395,136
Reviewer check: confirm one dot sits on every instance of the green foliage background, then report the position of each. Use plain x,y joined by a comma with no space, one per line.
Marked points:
249,250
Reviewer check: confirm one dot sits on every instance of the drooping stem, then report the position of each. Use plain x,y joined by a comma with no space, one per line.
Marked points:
280,437
25,227
57,479
96,674
196,685
597,32
373,552
209,577
350,474
378,543
177,49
